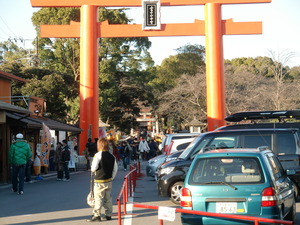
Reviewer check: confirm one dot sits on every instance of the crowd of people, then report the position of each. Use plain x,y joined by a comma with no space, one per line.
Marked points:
125,150
103,156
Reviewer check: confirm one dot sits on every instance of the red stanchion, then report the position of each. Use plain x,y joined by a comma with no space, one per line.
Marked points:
119,212
126,189
124,203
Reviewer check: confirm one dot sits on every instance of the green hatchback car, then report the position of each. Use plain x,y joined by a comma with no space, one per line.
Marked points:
248,182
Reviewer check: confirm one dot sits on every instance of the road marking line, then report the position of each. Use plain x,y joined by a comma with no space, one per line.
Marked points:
129,210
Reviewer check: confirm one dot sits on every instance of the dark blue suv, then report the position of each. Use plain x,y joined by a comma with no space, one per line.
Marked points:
283,142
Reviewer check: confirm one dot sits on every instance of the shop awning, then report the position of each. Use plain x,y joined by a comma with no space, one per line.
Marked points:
37,123
12,108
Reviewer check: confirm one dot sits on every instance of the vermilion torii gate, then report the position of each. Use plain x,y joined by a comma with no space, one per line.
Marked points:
89,30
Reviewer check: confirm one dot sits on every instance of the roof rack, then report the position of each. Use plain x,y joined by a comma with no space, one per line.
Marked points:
264,115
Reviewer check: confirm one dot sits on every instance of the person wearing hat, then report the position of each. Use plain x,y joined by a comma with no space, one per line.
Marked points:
19,154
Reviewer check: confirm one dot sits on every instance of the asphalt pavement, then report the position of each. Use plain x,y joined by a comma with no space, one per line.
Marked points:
49,201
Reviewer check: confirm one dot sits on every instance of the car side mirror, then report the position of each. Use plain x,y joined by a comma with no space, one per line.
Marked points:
290,172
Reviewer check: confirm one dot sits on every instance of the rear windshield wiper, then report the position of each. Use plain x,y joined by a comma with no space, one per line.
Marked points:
222,182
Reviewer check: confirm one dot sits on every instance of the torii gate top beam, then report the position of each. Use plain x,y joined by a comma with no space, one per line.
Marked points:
134,3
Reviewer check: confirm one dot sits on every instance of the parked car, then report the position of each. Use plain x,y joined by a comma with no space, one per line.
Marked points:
179,144
158,160
284,143
167,140
248,182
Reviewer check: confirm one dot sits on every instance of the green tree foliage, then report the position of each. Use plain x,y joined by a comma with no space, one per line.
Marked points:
259,83
121,61
53,90
189,60
10,52
177,99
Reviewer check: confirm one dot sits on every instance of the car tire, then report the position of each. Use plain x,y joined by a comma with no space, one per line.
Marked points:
175,192
296,190
292,214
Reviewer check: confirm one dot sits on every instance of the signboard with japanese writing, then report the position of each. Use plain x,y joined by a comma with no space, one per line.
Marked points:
151,18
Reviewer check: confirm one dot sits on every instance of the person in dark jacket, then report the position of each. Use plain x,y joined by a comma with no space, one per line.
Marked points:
59,164
65,158
104,167
92,149
19,155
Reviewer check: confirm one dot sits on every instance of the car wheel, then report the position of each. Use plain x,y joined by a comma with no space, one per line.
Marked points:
296,190
292,214
175,192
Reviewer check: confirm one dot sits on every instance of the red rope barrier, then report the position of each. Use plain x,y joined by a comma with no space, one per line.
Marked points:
256,220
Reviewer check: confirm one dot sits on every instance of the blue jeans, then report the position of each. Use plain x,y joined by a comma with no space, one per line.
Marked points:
66,169
28,171
125,162
18,174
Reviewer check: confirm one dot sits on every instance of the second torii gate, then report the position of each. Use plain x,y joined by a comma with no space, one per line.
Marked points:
89,30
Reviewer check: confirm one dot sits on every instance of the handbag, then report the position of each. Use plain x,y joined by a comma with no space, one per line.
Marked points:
90,198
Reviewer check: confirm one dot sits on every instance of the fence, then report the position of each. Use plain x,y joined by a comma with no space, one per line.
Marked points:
128,187
256,220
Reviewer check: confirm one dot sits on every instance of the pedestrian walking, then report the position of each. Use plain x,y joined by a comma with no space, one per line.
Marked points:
144,148
105,168
92,149
113,149
153,149
19,155
28,171
65,158
59,164
88,146
125,154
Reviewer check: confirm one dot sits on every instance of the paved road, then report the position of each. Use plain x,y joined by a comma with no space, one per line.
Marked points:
56,202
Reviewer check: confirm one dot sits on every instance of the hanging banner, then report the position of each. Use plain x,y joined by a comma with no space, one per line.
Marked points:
46,145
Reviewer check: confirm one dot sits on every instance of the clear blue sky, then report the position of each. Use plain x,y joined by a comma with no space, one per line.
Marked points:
281,28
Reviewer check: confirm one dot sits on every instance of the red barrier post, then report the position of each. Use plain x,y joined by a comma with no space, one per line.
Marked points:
126,189
119,212
124,203
135,176
139,169
130,185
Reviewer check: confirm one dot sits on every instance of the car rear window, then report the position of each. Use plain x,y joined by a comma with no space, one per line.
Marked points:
233,170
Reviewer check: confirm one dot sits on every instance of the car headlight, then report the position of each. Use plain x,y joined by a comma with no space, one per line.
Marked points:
166,170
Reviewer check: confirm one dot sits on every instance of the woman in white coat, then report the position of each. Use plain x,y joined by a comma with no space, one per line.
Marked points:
144,148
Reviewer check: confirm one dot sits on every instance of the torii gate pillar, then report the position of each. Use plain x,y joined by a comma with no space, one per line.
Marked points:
89,30
89,89
215,85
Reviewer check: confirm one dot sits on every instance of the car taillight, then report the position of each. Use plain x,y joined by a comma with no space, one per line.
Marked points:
186,198
268,197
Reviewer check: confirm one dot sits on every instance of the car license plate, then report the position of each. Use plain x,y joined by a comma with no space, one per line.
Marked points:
226,207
